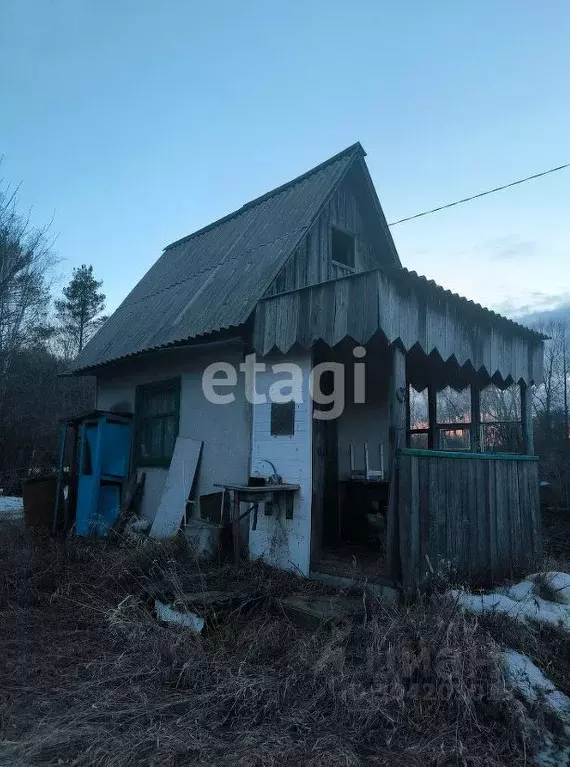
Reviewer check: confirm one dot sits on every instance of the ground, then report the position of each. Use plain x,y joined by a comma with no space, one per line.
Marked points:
89,677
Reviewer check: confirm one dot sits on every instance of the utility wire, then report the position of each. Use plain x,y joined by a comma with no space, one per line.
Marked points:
481,194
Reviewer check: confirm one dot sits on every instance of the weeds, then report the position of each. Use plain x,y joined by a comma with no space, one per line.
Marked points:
90,678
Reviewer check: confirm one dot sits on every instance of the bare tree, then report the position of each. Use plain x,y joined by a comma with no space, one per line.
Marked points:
551,411
32,393
26,259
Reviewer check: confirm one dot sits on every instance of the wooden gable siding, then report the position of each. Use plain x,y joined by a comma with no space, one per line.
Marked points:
311,262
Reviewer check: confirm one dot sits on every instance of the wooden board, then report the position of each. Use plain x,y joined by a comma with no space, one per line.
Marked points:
479,513
177,487
407,309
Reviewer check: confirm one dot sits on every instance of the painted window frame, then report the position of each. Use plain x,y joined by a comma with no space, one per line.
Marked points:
170,385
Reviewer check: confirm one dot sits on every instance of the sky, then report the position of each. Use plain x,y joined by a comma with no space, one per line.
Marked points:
131,124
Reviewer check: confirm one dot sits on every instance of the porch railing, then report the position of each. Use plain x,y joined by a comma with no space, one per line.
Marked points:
470,516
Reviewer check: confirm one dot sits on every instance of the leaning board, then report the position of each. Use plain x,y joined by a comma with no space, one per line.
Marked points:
177,487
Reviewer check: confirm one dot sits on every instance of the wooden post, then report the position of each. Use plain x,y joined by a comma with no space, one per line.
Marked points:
235,526
397,401
70,505
93,522
61,460
407,441
318,489
475,417
432,417
526,418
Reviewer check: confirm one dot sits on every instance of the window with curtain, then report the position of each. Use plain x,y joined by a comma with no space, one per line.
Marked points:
157,415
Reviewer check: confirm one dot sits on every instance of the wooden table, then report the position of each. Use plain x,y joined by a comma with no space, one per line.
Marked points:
270,495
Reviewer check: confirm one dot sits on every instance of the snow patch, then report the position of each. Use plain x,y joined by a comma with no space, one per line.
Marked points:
527,679
11,505
560,585
523,600
534,687
533,608
519,591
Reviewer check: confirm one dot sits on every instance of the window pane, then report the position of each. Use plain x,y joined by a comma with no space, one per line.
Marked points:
342,247
159,403
419,418
166,402
500,405
147,405
454,439
156,430
419,441
454,406
169,436
144,445
152,404
502,437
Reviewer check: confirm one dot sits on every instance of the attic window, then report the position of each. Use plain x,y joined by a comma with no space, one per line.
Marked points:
342,247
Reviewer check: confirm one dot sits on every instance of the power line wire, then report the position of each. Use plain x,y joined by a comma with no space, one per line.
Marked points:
481,194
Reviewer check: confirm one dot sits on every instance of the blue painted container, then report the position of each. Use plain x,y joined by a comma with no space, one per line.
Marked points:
104,457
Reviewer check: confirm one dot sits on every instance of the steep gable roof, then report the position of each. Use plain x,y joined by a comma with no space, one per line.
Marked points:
212,279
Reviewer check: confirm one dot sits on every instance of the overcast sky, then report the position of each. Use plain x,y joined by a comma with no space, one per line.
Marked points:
133,123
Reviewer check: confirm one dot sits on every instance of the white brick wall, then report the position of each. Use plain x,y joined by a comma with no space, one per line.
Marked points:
284,543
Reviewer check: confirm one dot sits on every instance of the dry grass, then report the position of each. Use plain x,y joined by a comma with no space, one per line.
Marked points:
556,531
546,645
89,677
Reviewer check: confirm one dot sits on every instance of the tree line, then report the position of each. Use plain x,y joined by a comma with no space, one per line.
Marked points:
39,336
551,413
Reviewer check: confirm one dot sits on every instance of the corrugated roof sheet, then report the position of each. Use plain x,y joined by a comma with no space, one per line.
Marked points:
483,312
212,279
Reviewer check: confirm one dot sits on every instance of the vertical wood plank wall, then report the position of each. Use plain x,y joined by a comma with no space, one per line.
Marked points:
477,515
312,263
408,310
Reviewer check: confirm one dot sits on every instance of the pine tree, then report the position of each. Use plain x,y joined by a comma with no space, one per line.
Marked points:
79,310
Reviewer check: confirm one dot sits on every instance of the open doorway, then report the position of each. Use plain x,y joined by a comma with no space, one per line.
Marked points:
350,477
